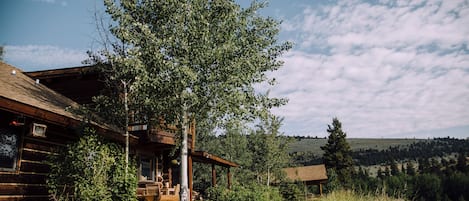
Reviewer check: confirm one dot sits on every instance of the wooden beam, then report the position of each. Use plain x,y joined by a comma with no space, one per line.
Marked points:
228,176
191,176
214,176
320,189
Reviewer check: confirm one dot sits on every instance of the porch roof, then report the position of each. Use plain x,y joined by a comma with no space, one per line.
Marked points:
205,157
313,173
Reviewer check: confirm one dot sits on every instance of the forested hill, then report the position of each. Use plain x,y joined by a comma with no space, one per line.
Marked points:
366,152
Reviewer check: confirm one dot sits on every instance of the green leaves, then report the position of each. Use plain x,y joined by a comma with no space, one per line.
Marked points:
214,48
91,169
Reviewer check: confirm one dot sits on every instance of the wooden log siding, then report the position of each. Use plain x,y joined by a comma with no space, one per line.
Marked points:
28,181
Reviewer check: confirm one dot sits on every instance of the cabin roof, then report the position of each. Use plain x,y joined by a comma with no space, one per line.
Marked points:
18,87
205,157
80,84
62,72
307,173
22,95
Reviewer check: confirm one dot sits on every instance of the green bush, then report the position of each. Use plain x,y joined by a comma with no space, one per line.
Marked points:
91,169
250,192
292,191
333,182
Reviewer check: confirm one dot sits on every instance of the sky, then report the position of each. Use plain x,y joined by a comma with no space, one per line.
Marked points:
385,69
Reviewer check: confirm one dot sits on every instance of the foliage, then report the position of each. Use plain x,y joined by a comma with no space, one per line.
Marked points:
427,187
231,144
418,150
333,182
180,60
337,153
205,55
91,169
269,151
260,152
248,192
434,181
292,191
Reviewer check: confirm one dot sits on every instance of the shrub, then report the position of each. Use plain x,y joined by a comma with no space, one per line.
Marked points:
91,169
292,191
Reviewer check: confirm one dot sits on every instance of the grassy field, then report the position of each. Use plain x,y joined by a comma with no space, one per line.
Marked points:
352,196
314,145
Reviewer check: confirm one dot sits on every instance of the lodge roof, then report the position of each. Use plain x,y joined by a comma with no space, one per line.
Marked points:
23,95
62,72
307,173
17,87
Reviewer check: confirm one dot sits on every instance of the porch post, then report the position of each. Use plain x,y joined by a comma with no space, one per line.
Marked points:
228,175
320,189
214,176
191,177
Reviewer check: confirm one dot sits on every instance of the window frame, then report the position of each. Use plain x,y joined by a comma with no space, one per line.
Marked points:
17,157
152,168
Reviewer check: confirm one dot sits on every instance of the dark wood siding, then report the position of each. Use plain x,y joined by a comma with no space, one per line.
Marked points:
28,180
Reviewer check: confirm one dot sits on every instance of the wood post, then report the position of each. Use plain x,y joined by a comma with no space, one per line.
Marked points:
320,189
214,176
191,177
228,176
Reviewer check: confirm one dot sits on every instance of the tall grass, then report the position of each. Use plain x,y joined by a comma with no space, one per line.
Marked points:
345,195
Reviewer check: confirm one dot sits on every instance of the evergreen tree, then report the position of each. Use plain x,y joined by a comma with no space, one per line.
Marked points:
461,162
394,169
337,153
380,173
424,165
410,170
387,172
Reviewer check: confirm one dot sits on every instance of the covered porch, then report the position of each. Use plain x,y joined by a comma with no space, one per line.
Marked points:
309,175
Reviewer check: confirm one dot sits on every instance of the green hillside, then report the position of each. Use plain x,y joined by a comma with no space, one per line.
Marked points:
314,145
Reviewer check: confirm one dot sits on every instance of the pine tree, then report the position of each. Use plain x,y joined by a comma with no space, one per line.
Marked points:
410,170
380,173
461,163
394,169
337,153
387,172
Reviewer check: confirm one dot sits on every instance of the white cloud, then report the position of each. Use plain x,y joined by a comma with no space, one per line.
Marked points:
35,57
385,68
45,1
62,3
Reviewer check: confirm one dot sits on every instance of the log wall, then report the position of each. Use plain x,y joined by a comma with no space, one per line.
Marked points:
28,180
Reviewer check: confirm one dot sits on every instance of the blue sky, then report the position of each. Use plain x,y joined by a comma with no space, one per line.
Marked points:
384,68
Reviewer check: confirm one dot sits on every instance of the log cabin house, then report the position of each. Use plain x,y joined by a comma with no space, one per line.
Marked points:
34,123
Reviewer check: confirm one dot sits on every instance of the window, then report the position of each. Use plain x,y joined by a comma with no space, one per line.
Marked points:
8,149
146,169
39,130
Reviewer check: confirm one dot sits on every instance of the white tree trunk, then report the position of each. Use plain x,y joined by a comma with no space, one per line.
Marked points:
184,154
